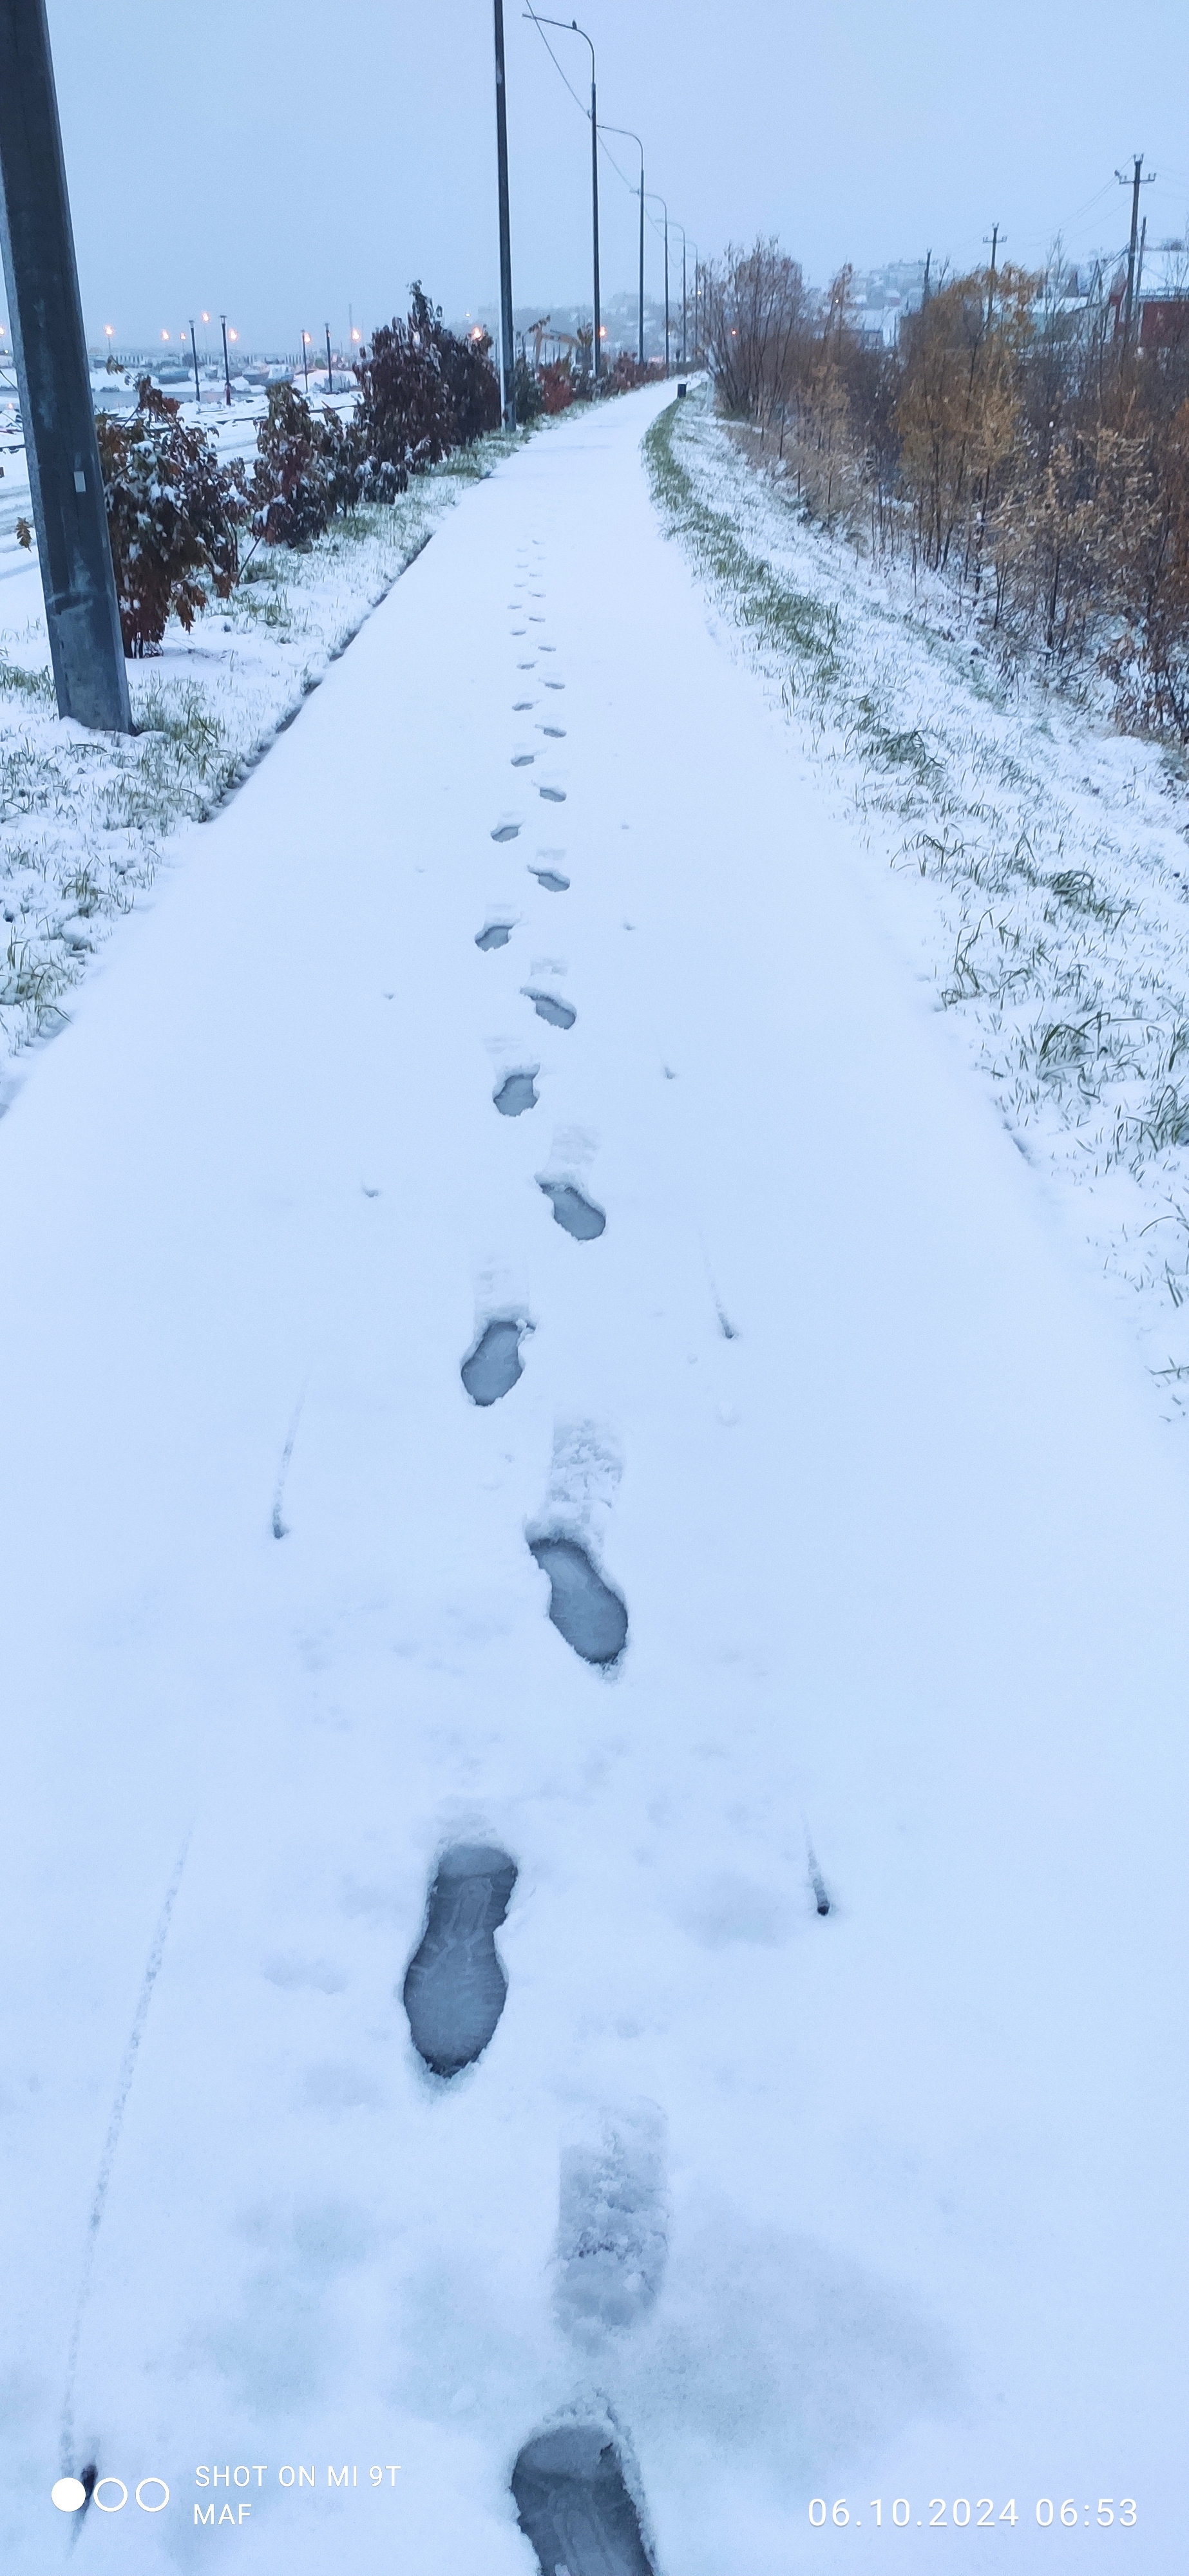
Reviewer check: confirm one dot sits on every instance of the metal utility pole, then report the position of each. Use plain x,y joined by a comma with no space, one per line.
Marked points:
329,369
507,326
226,359
634,138
594,199
65,483
305,360
656,200
641,353
1135,183
925,286
194,355
570,27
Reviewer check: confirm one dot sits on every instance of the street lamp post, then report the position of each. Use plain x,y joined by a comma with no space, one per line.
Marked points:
655,200
45,318
329,371
570,27
694,300
226,359
507,325
634,138
194,355
680,228
305,360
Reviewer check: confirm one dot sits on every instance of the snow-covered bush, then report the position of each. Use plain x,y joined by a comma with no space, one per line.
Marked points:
471,382
174,512
527,392
305,470
557,385
423,391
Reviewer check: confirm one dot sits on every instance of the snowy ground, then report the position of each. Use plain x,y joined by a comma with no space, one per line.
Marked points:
882,2202
85,819
1033,861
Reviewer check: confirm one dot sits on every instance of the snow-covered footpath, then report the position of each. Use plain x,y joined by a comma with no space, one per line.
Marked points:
87,820
830,2142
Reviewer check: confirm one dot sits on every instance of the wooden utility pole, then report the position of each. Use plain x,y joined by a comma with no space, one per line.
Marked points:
65,483
993,238
1135,183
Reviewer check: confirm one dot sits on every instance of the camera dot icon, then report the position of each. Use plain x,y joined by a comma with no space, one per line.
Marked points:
68,2494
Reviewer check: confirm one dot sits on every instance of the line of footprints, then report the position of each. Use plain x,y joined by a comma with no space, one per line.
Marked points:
572,2497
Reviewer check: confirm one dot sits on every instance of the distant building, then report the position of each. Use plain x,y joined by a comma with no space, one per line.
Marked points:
1164,320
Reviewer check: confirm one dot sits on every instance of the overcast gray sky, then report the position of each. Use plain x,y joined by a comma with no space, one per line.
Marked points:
284,161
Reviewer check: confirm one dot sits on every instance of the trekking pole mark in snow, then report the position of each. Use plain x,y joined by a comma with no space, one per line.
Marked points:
572,2502
585,1611
111,2142
455,1985
280,1527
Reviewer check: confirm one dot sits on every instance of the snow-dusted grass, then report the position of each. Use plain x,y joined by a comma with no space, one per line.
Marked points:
84,817
1038,859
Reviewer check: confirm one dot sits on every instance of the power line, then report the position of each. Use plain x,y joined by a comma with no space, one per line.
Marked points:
584,112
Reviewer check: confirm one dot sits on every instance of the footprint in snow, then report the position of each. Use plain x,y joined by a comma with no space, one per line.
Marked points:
584,1610
493,1365
523,706
455,1985
496,934
557,733
553,795
572,2502
555,684
612,2234
517,1092
523,759
575,1213
551,879
560,1015
505,831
